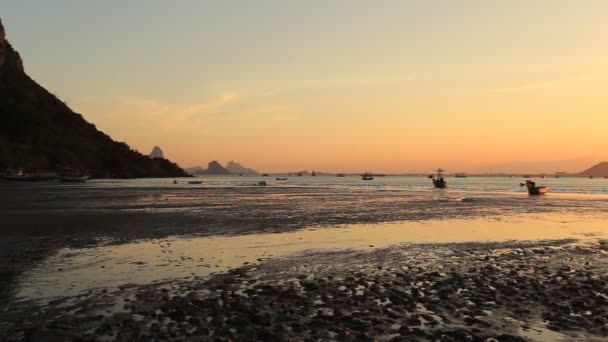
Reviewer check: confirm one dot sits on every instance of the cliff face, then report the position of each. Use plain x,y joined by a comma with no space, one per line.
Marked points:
9,58
38,132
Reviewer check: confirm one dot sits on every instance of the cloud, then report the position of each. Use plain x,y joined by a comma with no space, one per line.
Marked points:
336,82
536,86
164,116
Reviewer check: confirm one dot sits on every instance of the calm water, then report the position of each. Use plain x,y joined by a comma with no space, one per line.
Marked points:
470,184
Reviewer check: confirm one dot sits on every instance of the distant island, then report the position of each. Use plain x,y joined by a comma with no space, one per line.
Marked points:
40,133
238,169
213,168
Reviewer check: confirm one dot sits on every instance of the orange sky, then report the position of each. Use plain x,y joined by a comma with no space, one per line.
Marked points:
403,86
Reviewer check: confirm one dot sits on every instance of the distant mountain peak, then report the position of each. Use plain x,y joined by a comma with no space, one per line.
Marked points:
157,152
213,168
236,168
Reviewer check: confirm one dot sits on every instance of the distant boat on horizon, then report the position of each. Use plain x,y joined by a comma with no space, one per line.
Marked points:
461,175
367,176
340,175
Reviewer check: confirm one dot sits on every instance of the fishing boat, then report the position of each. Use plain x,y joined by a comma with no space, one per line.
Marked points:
265,175
438,180
461,175
281,178
69,175
74,179
195,182
314,174
20,176
340,175
367,176
533,189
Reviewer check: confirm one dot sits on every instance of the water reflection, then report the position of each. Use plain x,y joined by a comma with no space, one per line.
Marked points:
74,271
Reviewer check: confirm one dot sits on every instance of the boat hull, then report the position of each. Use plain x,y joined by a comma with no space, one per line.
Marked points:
69,179
539,190
29,178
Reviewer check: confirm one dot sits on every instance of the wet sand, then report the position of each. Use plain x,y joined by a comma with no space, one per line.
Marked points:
514,291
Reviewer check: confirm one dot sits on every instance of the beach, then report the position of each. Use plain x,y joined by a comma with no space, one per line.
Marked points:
309,260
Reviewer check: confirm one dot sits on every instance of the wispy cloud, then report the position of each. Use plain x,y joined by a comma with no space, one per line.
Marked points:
336,82
165,116
538,85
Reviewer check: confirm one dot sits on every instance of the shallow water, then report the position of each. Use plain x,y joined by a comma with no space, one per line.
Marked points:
75,271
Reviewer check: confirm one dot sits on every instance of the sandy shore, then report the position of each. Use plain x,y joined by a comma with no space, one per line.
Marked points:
414,292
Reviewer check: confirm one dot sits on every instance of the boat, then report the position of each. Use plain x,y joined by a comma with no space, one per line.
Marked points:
461,175
533,189
340,175
264,175
20,176
367,176
438,181
281,179
69,175
195,182
74,179
314,174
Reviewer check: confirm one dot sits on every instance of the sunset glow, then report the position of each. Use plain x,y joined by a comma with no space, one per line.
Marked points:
391,86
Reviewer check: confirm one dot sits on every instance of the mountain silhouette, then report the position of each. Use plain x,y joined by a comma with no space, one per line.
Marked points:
39,132
214,168
236,169
598,170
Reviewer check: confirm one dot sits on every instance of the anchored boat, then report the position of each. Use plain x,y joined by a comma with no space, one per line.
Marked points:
438,181
533,189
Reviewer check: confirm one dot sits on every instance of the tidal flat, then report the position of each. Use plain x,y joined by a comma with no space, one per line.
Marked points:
107,262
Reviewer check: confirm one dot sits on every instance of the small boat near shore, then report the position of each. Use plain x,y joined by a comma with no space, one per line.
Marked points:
195,182
69,175
74,179
533,189
281,179
20,176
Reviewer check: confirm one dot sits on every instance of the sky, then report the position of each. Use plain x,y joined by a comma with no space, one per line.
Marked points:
336,86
